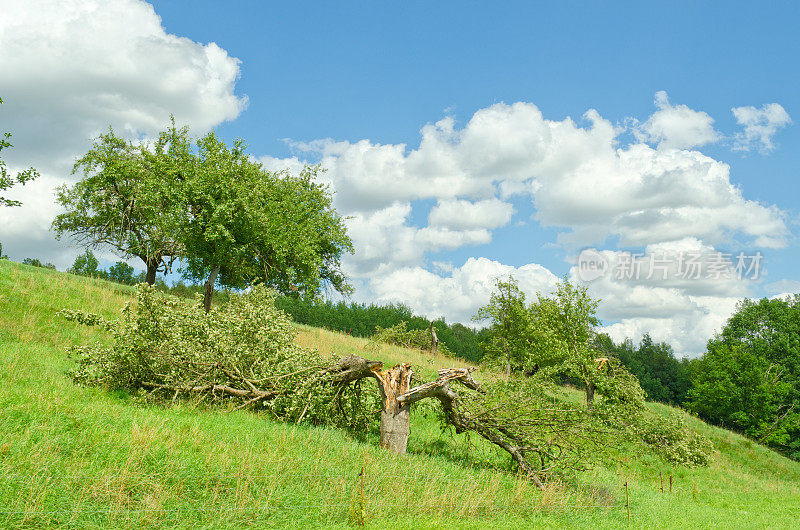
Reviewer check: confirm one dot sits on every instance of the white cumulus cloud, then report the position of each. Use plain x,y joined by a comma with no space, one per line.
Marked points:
461,214
69,69
678,126
760,125
458,295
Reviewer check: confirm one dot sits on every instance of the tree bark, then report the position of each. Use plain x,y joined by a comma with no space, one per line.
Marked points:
589,394
395,416
441,390
434,340
208,289
150,277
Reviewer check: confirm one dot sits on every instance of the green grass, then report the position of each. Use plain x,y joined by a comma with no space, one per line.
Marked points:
82,457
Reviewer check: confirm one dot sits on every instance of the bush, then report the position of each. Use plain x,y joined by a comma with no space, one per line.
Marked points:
165,348
407,338
674,442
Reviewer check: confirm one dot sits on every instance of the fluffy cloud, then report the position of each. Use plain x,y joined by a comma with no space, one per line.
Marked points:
760,125
577,177
677,126
385,241
670,299
458,295
580,178
460,214
70,69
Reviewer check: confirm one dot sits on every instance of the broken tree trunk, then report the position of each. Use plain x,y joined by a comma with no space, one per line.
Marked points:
395,416
440,389
434,340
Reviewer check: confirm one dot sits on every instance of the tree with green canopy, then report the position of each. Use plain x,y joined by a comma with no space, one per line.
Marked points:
552,330
123,201
749,377
213,207
245,225
510,327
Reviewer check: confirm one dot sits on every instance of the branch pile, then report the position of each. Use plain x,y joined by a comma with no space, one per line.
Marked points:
241,354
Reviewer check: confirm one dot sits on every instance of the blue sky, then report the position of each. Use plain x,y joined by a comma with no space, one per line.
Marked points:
348,84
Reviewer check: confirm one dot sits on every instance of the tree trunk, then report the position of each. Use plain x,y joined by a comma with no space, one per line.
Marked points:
150,277
395,416
208,289
589,394
434,340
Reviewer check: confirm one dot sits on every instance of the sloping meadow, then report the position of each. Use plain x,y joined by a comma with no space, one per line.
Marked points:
84,456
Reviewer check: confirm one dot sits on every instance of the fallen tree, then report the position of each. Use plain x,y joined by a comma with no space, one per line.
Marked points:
243,355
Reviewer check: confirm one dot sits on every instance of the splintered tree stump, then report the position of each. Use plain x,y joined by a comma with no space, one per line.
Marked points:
395,416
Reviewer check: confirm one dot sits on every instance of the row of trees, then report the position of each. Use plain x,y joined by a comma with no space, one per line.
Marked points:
210,206
749,378
663,377
363,320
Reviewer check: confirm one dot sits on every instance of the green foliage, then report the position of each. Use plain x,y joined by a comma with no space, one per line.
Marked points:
215,208
122,201
363,320
749,378
122,273
663,377
35,262
85,264
247,224
544,333
559,435
165,347
511,342
670,438
407,338
7,180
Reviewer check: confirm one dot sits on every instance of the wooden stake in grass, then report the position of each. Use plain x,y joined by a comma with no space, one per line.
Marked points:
670,484
362,496
357,506
627,502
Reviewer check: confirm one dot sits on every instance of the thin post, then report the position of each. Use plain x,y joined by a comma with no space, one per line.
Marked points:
627,502
670,484
361,518
661,478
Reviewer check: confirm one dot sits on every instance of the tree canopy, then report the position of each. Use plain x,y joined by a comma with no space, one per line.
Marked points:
211,206
122,202
245,225
662,376
749,377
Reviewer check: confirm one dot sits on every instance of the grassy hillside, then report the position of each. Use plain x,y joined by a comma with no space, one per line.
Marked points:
88,458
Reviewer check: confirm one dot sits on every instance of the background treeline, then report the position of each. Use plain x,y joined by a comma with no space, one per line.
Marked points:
362,320
661,375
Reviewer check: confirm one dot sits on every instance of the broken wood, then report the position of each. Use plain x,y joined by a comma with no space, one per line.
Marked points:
440,389
395,416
